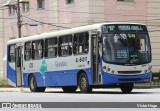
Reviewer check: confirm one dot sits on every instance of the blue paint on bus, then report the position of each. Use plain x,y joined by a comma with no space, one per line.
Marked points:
57,78
11,73
117,79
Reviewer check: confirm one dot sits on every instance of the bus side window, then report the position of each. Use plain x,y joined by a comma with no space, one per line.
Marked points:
65,45
27,55
37,49
81,43
51,47
11,55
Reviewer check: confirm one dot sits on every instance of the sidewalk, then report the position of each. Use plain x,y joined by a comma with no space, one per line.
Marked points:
25,89
13,89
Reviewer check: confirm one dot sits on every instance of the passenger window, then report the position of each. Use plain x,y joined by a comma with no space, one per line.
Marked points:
65,45
27,53
37,49
81,43
12,53
51,48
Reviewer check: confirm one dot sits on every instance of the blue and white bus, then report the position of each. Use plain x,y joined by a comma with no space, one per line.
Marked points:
98,55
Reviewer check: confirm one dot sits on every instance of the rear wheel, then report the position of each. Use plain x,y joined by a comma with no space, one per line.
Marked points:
83,84
33,85
69,89
126,88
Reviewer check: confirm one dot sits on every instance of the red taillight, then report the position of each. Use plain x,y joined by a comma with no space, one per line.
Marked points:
146,79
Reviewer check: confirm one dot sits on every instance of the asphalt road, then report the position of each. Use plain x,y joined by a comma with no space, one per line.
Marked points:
98,95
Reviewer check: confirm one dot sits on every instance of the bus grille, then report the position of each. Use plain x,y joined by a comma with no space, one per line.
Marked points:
129,72
130,79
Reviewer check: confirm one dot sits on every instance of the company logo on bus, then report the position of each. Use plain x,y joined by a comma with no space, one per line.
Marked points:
129,64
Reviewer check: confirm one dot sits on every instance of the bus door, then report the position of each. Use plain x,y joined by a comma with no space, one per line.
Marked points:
19,66
95,59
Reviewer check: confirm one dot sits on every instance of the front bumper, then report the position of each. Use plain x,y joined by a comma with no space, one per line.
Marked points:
117,79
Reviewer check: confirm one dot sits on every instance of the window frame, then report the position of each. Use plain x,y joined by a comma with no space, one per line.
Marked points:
30,54
40,4
53,46
64,44
9,54
84,43
12,10
35,50
25,6
125,0
69,1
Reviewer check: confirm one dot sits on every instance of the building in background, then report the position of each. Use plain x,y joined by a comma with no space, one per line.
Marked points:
41,16
2,51
153,22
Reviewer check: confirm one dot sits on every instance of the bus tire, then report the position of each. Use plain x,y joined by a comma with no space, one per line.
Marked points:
126,88
69,89
33,85
41,89
84,84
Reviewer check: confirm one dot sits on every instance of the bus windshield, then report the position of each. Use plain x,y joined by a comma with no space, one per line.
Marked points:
126,48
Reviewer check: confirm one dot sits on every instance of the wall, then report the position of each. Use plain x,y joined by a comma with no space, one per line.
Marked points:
2,51
134,11
153,19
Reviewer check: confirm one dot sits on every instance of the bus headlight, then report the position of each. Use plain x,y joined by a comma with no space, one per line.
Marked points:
108,69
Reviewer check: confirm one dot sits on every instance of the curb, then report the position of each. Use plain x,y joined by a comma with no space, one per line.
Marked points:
25,90
14,90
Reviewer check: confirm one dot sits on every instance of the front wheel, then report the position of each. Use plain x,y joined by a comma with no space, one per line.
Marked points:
33,85
83,84
126,88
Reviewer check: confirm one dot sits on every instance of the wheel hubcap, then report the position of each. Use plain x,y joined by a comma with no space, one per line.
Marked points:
83,83
32,83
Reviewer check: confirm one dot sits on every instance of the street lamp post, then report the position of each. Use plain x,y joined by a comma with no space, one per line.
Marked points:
18,19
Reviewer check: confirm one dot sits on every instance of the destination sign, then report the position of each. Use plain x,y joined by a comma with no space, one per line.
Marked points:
130,28
124,27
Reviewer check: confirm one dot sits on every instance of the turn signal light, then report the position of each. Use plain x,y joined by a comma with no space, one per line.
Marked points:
104,67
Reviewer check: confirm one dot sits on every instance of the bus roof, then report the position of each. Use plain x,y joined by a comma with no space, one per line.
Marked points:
64,32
